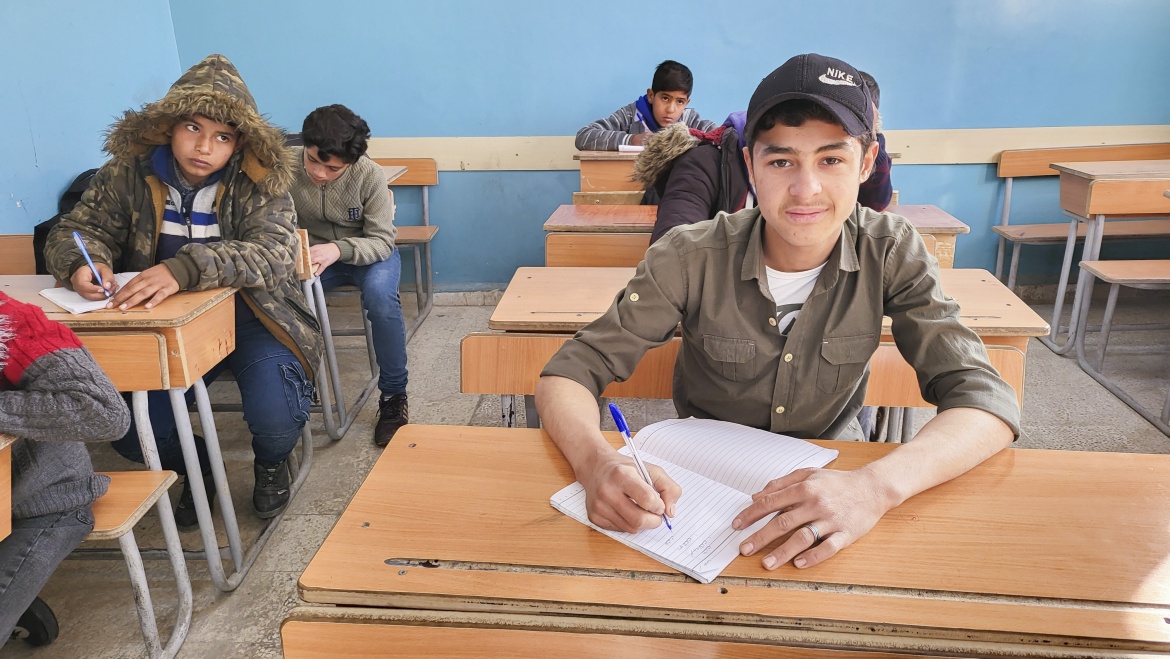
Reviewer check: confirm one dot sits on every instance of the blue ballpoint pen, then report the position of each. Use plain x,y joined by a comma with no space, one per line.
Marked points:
620,422
92,268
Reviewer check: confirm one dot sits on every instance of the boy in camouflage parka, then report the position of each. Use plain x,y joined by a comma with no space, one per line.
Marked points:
150,209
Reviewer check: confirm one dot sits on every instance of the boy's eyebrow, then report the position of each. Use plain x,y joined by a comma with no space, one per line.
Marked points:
771,149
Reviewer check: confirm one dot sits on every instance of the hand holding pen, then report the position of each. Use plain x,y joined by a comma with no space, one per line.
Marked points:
83,279
620,421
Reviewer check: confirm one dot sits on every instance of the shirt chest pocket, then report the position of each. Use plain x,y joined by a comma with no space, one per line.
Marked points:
735,359
843,360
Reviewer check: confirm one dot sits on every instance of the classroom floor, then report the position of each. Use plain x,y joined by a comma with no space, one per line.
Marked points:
91,595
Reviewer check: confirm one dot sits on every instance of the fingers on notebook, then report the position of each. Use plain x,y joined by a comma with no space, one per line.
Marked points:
668,490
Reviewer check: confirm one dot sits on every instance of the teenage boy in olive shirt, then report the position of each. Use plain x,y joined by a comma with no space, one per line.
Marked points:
781,308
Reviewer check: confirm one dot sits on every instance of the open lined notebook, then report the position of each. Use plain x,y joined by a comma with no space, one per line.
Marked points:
719,465
75,304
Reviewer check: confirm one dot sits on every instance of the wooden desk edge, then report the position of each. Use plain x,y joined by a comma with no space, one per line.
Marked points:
86,322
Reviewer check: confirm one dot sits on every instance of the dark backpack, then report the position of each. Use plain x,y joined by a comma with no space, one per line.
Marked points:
69,199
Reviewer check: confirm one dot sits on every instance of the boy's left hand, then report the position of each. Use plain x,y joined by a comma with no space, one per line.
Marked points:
322,256
842,505
153,285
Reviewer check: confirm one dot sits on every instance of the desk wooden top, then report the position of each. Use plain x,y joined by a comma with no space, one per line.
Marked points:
606,155
610,218
1029,544
567,299
393,172
6,441
1116,169
175,311
640,219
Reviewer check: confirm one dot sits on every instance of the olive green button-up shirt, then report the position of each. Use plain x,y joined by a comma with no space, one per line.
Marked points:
735,365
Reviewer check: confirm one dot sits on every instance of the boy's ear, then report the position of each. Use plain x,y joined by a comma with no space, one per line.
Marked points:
649,93
747,158
868,160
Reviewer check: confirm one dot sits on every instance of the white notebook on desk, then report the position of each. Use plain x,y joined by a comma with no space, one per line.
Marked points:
75,304
719,465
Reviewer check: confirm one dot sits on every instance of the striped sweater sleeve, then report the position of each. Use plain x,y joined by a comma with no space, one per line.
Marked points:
608,133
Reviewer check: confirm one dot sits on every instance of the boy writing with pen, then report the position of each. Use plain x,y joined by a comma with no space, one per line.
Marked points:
194,197
780,308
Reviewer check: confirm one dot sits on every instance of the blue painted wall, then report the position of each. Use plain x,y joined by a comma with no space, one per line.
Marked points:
67,68
530,67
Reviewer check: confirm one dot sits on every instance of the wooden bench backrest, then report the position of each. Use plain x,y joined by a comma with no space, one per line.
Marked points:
16,255
1035,162
510,363
131,494
319,639
600,250
419,171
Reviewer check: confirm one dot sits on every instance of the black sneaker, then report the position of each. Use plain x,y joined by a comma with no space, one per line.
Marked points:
185,517
392,415
271,494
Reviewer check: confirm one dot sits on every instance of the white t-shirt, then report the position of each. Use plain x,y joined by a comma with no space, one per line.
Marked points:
790,290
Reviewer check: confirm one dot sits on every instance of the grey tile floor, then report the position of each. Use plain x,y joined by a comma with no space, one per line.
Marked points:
1063,409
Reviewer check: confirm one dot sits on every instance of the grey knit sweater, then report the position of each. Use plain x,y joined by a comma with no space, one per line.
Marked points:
355,212
52,397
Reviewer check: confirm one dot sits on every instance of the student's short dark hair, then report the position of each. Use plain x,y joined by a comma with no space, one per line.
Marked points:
336,132
670,76
874,91
794,114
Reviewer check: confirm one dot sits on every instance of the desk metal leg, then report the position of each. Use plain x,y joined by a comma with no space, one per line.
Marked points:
1078,313
243,562
166,517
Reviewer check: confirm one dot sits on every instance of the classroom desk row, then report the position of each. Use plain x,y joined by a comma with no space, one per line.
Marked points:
1033,553
617,235
564,300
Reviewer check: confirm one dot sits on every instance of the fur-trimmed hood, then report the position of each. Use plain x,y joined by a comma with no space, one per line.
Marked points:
660,150
212,88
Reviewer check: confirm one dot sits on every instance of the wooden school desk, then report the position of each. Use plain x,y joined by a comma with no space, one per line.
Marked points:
614,235
566,299
1093,193
1033,553
607,171
170,347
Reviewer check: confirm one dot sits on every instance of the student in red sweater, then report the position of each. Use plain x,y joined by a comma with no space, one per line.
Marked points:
53,396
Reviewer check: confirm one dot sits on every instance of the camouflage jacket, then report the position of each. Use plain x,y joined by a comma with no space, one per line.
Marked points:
120,215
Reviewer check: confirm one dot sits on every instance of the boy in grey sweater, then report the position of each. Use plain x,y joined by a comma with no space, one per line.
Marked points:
53,396
342,201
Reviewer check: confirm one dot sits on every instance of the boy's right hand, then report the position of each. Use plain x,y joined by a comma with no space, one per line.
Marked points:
619,500
638,139
87,287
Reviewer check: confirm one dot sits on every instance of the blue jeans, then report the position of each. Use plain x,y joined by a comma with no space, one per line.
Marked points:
274,389
379,285
30,554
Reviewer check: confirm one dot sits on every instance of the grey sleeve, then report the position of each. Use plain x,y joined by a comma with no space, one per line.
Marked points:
608,133
693,120
64,396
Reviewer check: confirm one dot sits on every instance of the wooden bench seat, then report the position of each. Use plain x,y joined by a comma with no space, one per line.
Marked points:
1037,162
414,235
1039,234
130,495
1145,274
